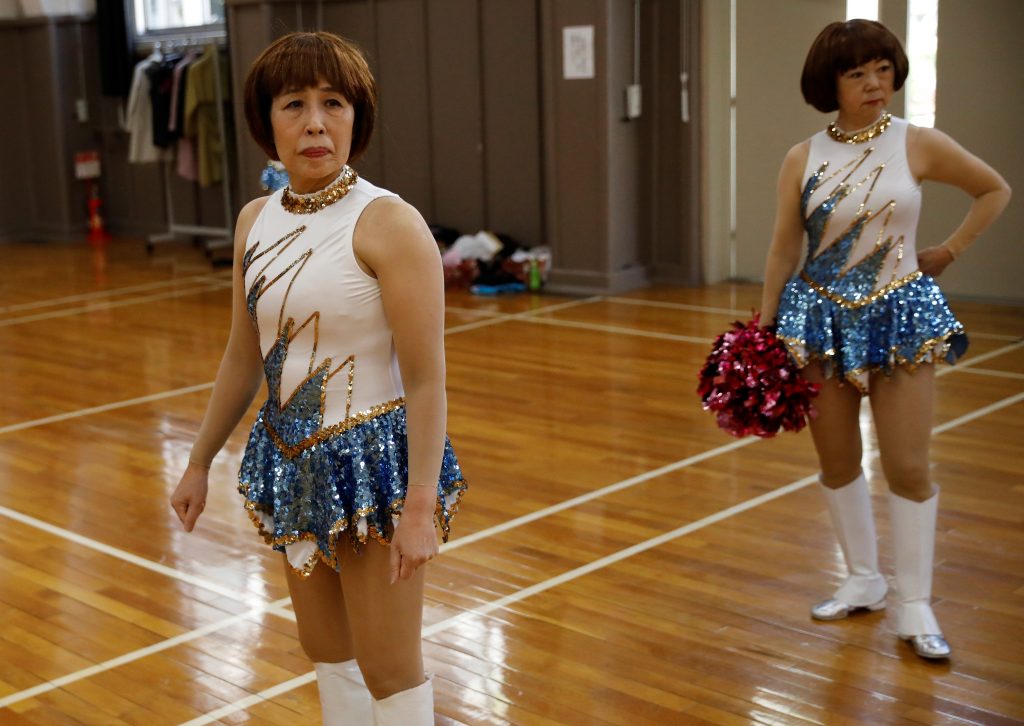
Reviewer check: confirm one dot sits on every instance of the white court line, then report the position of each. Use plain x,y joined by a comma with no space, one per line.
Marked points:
677,306
141,653
597,493
105,407
491,531
978,413
228,592
578,572
970,362
277,608
560,322
525,315
995,373
99,294
746,313
93,307
993,336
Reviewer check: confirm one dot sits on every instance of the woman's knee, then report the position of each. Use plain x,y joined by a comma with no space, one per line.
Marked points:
326,643
386,676
910,480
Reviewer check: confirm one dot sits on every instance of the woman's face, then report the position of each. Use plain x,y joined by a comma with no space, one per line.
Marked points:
312,134
863,92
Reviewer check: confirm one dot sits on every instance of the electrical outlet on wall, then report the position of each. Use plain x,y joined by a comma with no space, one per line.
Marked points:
634,102
81,110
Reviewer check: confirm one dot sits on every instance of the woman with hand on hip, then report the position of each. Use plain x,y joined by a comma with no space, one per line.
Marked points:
338,302
864,315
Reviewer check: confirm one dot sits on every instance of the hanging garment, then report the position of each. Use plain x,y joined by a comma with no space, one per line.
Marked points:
201,122
138,120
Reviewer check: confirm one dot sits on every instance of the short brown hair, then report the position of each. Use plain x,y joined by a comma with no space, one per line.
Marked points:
842,46
301,60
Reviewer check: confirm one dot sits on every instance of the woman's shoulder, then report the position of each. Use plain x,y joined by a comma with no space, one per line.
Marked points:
247,219
388,214
796,158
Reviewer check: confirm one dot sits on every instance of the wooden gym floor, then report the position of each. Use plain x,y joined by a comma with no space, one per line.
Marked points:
617,560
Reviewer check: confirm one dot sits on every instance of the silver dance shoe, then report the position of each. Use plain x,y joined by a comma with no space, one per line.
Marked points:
833,609
934,647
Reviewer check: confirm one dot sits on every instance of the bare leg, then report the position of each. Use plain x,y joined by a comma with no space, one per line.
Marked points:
386,620
836,429
836,433
320,614
902,406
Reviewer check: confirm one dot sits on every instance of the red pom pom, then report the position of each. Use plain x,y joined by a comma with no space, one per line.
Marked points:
752,385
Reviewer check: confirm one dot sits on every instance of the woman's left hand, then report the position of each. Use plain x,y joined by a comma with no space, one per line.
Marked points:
933,260
415,540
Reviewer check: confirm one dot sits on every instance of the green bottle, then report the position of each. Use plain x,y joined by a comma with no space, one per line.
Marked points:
533,279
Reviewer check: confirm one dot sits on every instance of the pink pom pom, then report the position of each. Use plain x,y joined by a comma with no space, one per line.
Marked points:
752,386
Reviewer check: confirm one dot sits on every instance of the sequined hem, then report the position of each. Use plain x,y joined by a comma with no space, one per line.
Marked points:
903,326
862,302
350,485
931,352
443,516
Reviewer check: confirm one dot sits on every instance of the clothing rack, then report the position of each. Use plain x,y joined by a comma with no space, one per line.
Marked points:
214,237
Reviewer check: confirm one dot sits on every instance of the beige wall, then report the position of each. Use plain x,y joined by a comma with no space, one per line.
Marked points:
772,38
980,103
980,62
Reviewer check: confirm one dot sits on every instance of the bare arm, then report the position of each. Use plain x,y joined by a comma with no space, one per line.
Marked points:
788,234
393,241
238,380
934,155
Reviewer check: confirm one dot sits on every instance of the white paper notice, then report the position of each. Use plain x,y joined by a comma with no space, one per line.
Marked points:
578,51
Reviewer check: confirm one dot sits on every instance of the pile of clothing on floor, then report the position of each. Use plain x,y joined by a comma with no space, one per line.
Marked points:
490,263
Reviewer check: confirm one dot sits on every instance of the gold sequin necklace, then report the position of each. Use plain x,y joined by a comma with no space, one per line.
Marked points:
315,201
860,136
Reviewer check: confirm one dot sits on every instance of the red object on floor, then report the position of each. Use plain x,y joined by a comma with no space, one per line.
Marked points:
97,232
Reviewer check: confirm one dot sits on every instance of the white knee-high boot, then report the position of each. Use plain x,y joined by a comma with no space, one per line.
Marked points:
344,698
864,586
412,707
913,540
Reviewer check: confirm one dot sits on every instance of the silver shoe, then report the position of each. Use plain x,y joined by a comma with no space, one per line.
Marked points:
929,646
833,609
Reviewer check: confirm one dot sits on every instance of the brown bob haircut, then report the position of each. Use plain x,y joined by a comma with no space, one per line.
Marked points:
842,46
301,60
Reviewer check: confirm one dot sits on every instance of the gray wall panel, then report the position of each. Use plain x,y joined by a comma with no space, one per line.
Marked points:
456,114
404,131
510,50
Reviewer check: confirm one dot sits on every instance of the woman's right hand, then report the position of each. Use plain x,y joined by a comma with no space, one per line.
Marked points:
189,498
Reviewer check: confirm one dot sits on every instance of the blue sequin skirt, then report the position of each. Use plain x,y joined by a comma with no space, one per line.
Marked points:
903,325
306,501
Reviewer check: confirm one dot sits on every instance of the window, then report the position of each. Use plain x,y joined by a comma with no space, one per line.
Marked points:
177,19
865,9
922,42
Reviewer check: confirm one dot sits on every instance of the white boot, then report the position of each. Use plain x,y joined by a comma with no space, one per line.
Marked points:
412,707
864,586
913,540
344,698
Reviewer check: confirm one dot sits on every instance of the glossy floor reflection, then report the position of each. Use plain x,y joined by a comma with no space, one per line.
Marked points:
618,560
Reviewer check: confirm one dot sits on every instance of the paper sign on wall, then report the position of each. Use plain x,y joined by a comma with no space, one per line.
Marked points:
578,51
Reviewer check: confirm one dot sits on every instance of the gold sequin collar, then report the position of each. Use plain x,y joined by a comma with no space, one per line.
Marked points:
315,201
865,134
